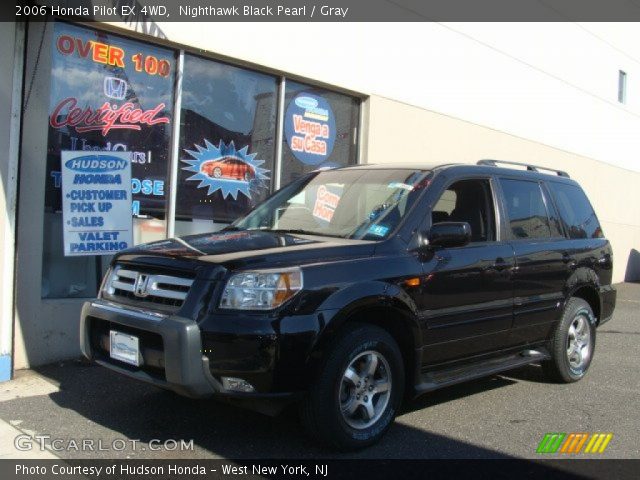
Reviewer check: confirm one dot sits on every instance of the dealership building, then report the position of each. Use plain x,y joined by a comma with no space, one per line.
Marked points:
270,102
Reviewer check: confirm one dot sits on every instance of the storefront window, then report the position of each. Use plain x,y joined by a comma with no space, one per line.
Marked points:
320,130
227,143
110,93
114,94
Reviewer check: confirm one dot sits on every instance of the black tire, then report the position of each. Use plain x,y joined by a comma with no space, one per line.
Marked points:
559,368
321,410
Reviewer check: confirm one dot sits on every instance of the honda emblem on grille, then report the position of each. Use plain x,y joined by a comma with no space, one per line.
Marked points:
115,88
140,286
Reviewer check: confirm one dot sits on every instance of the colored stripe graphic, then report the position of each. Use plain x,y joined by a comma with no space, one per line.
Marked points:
573,443
598,442
551,442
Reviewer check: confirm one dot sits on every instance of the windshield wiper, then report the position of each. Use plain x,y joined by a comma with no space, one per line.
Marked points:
300,231
231,228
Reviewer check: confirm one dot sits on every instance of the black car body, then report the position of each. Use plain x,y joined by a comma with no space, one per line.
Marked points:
466,288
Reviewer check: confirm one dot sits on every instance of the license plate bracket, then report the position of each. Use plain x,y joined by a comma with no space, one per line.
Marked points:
124,347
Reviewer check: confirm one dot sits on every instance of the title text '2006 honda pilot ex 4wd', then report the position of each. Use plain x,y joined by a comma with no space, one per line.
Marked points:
351,289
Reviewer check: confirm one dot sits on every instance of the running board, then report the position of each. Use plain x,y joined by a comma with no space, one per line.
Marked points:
432,380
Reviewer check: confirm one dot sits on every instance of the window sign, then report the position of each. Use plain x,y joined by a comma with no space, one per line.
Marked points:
226,169
310,128
96,202
326,203
320,130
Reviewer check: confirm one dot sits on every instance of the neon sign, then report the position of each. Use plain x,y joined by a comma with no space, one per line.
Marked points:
106,118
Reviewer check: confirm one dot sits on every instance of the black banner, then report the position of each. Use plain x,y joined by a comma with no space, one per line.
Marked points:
148,11
293,469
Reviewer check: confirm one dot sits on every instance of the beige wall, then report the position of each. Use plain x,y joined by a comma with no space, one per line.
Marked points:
10,82
401,133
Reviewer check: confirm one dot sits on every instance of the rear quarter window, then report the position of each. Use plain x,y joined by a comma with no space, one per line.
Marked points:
528,217
575,211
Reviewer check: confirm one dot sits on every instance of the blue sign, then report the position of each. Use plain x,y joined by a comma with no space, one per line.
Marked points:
95,164
310,128
96,202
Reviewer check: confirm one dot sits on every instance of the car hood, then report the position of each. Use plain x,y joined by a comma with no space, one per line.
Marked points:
250,249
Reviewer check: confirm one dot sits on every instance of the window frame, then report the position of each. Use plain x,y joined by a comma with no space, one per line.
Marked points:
622,87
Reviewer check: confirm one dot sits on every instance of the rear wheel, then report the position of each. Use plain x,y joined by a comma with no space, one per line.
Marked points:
217,172
355,398
573,343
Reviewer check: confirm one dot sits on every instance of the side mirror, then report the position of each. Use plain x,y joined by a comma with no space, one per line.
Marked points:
449,234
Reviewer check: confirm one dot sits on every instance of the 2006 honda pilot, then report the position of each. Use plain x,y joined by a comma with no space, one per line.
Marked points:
351,289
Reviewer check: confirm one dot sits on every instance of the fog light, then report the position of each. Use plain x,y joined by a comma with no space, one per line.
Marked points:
237,385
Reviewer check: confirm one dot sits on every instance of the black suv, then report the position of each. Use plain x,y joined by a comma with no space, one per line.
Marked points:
353,288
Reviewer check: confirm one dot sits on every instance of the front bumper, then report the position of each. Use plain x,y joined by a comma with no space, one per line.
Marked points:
174,357
181,367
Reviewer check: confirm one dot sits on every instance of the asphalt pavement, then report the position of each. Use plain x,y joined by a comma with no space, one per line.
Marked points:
497,417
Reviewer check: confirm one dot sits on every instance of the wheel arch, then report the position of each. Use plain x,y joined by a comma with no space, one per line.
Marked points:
584,283
388,313
588,293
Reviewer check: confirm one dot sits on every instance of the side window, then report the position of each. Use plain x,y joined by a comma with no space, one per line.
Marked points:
468,201
444,206
576,211
527,213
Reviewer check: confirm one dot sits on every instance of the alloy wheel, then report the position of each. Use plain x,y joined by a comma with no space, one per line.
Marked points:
579,342
365,389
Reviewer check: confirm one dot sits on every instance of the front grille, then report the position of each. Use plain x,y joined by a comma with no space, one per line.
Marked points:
141,286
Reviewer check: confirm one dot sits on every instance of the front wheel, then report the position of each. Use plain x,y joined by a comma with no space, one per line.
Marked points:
573,343
356,395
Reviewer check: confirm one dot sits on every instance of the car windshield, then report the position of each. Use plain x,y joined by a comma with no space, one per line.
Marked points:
357,204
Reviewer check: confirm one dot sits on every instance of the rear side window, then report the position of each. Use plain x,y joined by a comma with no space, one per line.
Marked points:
527,212
576,211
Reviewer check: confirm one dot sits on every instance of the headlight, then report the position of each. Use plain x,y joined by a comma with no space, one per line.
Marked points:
261,290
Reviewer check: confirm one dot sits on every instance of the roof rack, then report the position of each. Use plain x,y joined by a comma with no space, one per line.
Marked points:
532,168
